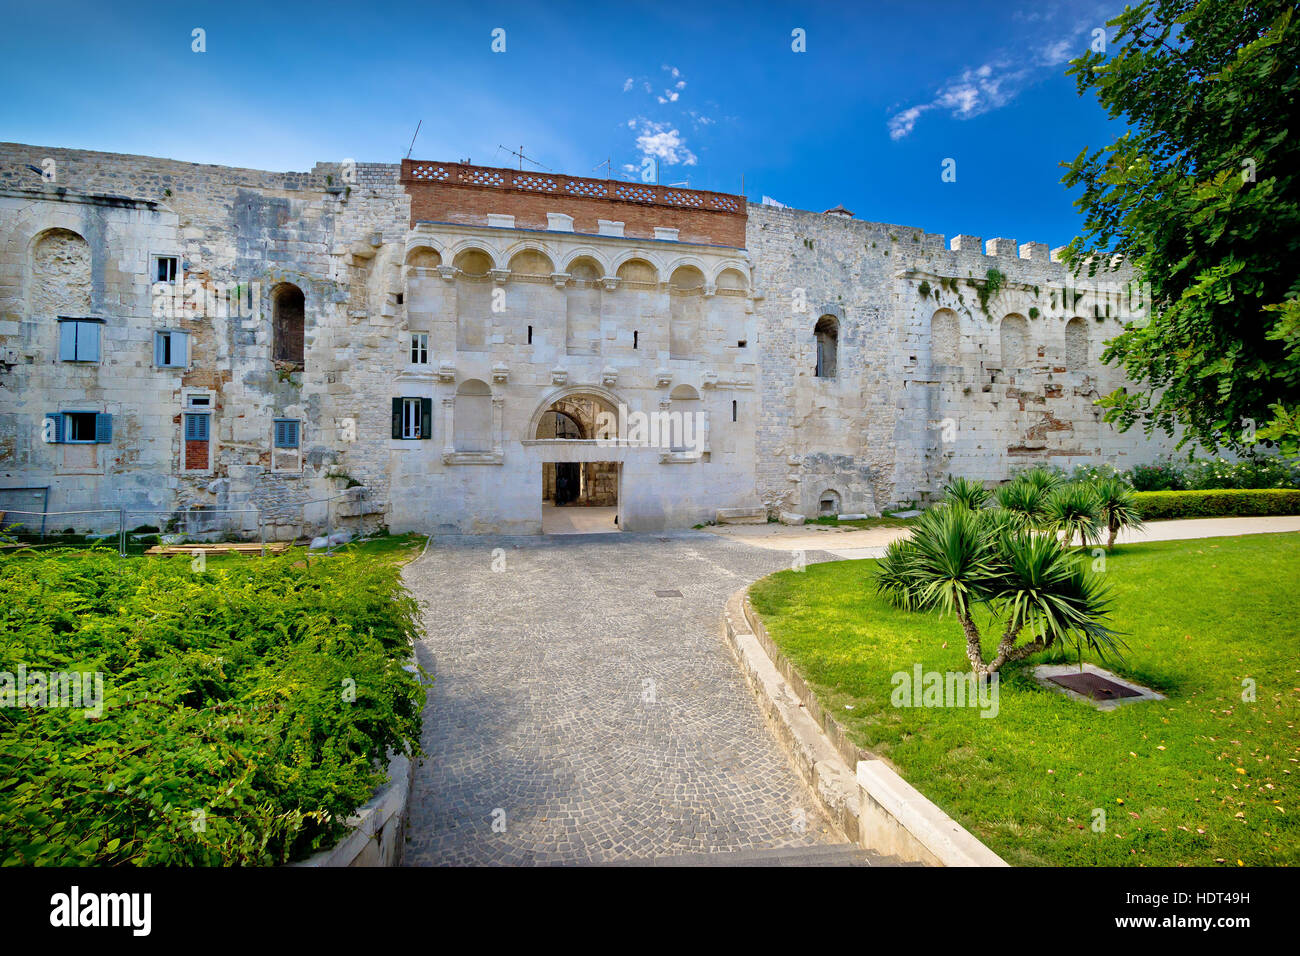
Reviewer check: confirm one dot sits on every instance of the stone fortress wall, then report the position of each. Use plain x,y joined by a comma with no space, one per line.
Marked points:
530,290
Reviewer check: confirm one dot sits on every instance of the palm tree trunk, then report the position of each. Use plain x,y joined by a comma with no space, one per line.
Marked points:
974,652
1110,541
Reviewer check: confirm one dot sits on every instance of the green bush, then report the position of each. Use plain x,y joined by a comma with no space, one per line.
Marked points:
1154,505
231,732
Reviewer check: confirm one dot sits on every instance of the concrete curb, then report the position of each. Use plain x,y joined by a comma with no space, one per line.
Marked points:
378,826
863,795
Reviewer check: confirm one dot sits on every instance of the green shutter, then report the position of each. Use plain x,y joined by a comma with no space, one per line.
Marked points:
397,418
426,418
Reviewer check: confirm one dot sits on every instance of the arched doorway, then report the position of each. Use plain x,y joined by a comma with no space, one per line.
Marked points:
578,495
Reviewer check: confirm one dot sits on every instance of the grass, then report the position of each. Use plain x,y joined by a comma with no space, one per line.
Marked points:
399,548
1201,779
884,521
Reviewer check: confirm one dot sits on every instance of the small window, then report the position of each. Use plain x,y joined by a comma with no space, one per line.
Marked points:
400,298
79,340
827,334
530,335
286,432
420,348
636,336
81,427
197,426
165,268
734,409
742,343
412,418
171,349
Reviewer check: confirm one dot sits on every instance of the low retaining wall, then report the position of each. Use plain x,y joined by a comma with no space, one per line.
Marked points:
378,827
862,794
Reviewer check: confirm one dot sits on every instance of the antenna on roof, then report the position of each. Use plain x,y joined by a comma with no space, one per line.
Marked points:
609,168
522,157
417,133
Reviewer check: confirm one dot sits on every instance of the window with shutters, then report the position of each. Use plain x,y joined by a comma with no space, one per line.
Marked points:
79,340
286,433
420,348
197,426
171,349
412,418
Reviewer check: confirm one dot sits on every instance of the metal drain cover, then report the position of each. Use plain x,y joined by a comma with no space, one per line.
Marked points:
1094,686
668,594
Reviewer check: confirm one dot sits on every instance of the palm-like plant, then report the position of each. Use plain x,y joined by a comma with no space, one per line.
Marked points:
964,493
1072,510
958,558
1044,479
1118,507
1023,500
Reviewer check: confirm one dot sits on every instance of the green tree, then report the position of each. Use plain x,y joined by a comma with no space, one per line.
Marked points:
1201,195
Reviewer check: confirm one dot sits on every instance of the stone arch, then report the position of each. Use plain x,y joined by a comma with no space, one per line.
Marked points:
61,273
1013,335
687,277
1076,344
582,307
829,502
827,335
531,262
945,338
423,257
474,261
609,402
585,252
685,419
633,267
585,268
732,280
288,324
473,419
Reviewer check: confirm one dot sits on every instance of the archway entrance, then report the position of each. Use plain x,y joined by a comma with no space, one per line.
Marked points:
578,497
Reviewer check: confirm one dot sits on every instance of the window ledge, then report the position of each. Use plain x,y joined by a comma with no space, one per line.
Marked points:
473,458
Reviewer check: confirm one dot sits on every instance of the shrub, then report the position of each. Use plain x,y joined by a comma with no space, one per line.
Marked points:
1261,472
965,493
248,708
1073,511
1023,500
1218,503
1162,476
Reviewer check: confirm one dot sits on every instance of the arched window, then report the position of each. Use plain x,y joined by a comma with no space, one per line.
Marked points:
287,317
1014,341
945,338
827,333
1076,344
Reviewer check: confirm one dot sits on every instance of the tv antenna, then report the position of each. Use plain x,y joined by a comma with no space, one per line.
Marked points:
522,157
417,133
609,168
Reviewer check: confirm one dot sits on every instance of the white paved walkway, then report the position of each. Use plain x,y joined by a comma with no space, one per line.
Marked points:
871,542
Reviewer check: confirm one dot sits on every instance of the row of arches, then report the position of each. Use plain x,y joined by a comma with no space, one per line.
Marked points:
685,274
1015,341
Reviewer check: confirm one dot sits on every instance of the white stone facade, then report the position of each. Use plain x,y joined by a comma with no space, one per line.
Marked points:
506,322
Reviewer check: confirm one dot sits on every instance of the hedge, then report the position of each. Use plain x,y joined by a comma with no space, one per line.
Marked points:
1154,505
246,709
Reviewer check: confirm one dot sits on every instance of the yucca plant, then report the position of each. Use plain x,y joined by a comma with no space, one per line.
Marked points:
1044,479
964,493
1072,511
1117,506
1023,500
957,559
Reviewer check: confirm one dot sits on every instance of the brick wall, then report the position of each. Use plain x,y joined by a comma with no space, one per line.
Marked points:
452,192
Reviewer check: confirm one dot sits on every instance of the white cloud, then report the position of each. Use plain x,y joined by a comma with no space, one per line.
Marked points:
627,84
665,143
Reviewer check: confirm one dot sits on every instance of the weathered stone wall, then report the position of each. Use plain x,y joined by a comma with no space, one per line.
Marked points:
955,358
913,402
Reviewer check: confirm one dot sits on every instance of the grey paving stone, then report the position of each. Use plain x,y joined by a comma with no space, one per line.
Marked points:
605,723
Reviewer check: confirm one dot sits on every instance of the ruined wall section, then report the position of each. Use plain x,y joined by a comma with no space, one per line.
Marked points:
923,388
231,228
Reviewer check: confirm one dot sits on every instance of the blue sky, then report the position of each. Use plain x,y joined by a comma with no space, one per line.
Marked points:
884,93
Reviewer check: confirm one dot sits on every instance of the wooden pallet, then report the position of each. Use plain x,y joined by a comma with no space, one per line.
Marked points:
272,547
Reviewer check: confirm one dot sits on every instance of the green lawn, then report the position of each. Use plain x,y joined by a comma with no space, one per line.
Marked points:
1201,779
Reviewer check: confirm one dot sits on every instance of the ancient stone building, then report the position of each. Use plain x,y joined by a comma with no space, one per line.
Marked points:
482,347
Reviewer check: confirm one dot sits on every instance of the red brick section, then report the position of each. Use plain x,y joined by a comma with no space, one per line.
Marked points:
196,455
454,192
